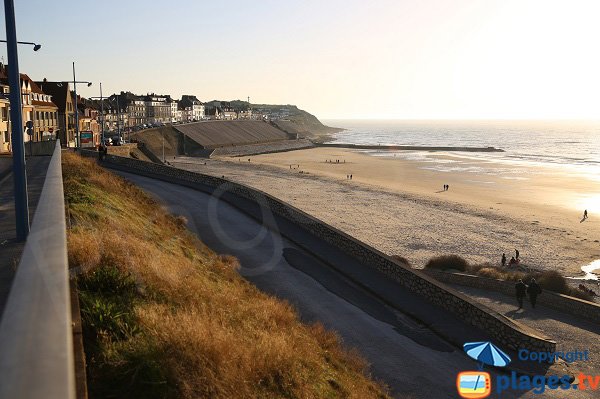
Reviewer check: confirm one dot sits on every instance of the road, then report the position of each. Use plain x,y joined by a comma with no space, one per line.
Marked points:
405,354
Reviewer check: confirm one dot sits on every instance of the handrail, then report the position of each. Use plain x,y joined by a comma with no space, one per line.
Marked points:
36,337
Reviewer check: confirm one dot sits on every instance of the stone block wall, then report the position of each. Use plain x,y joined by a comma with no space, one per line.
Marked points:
503,330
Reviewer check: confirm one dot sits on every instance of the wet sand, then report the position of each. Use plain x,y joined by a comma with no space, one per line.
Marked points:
398,205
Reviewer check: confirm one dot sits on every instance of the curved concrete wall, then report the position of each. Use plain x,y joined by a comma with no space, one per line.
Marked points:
506,332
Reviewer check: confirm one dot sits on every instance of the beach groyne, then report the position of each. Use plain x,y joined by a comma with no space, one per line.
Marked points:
506,332
409,148
568,304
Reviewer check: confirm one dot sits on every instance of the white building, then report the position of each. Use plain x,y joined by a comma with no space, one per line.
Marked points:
191,108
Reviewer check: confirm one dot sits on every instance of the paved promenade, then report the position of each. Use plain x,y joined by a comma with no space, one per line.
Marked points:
569,332
10,251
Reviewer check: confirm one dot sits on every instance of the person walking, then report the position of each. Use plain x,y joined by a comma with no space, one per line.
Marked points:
520,290
585,214
533,290
516,254
503,259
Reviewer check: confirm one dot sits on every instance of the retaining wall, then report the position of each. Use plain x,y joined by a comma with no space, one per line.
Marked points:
503,330
575,306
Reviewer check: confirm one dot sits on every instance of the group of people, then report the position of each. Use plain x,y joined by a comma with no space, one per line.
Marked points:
513,260
336,161
532,290
446,187
349,177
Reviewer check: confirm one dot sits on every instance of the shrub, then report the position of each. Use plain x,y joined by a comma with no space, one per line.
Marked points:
448,262
551,280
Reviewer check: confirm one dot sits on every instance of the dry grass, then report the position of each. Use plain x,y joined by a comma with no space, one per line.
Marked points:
165,317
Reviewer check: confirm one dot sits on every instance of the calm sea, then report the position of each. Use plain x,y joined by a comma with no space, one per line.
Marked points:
572,145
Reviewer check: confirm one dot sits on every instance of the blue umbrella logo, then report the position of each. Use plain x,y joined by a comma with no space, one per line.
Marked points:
486,353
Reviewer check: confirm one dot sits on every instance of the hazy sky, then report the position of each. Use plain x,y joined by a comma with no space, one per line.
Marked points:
337,59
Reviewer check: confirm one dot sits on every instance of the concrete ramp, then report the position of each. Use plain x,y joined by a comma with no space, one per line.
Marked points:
216,134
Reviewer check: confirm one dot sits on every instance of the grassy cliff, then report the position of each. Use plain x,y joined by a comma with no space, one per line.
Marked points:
295,121
165,317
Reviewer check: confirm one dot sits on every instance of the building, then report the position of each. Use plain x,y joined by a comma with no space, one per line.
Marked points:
175,113
191,108
89,126
44,113
4,119
158,110
134,108
66,116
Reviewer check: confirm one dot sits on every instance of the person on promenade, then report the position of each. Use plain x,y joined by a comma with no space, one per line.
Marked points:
533,291
520,289
503,259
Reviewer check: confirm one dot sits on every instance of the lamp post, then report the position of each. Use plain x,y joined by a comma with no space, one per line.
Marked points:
18,145
36,46
76,110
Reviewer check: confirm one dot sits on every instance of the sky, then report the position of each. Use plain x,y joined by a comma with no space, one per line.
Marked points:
350,59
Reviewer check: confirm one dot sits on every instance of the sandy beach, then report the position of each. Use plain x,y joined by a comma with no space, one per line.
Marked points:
398,205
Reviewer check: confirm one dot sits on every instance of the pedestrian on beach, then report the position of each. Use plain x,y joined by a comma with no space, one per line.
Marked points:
585,214
520,289
533,291
516,254
503,259
447,187
350,177
512,261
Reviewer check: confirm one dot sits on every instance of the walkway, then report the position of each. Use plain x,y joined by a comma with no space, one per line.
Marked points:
570,332
10,251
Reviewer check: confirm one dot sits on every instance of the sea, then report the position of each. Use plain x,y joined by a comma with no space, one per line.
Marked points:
569,145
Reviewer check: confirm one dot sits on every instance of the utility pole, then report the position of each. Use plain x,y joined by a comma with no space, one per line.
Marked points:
78,146
102,112
18,145
118,118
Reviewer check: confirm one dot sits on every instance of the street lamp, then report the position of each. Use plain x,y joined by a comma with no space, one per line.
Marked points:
36,46
18,145
76,110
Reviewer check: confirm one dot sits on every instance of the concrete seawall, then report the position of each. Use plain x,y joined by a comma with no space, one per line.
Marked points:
504,331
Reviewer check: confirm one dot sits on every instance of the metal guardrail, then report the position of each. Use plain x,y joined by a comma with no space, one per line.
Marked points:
36,334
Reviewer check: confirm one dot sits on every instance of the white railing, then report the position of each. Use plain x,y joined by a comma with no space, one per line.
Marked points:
36,333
